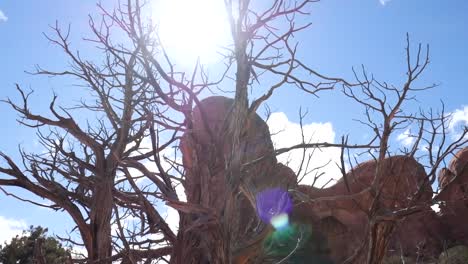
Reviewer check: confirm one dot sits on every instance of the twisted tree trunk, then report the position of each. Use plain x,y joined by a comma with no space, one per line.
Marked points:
100,222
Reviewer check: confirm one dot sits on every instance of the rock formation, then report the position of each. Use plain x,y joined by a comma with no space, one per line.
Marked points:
205,151
341,221
453,197
417,234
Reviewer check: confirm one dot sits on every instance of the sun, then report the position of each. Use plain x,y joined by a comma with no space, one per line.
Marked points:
193,29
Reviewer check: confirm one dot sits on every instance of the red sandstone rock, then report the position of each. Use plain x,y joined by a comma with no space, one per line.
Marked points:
459,164
206,150
208,137
454,197
402,178
420,235
342,221
454,180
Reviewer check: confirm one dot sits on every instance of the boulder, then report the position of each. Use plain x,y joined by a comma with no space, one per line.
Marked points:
420,235
453,180
206,144
402,178
401,181
339,213
206,149
453,196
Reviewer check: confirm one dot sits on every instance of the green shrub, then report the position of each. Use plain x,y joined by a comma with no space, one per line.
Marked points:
454,255
20,250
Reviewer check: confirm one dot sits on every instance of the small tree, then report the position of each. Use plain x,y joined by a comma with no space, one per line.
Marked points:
34,246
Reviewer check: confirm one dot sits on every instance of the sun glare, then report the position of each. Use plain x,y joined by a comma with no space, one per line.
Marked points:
192,29
280,221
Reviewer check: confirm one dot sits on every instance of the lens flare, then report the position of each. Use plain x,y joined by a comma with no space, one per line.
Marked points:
274,206
287,243
280,221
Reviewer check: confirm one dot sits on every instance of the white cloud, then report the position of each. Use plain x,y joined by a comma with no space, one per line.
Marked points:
181,192
458,117
3,17
79,252
172,219
9,228
405,138
172,215
384,2
286,134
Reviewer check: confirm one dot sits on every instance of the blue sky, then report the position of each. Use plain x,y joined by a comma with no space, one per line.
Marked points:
344,34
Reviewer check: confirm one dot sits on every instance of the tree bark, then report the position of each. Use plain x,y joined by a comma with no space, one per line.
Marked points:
203,236
100,221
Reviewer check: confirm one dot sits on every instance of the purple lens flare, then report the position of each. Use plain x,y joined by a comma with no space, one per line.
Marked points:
274,206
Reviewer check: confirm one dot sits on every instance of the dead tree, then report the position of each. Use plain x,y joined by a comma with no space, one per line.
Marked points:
385,114
79,171
111,169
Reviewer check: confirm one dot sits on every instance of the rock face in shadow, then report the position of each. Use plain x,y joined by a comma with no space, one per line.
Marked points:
206,151
338,214
346,205
453,196
205,146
